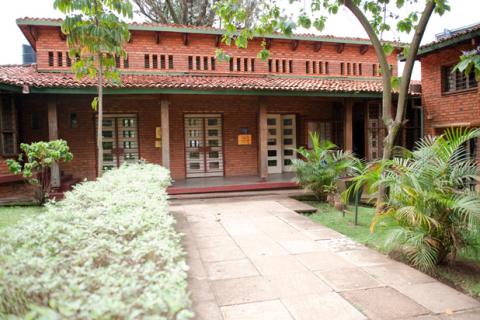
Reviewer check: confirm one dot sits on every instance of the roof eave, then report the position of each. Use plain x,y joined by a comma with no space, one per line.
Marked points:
447,43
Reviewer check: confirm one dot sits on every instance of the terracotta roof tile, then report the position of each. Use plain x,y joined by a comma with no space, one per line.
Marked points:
27,75
455,34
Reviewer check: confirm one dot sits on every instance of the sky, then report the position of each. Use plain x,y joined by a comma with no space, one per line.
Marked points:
464,12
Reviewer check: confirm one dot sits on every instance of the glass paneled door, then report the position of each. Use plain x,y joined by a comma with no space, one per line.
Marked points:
281,142
203,145
120,140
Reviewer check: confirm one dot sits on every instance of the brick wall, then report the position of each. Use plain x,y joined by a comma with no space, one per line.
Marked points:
237,111
441,108
52,54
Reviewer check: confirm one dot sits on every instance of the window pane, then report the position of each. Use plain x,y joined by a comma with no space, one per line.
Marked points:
194,155
107,134
8,143
213,132
271,121
287,132
287,162
288,152
287,122
213,154
107,157
212,122
107,145
213,143
195,165
214,165
272,132
272,153
272,163
272,142
287,142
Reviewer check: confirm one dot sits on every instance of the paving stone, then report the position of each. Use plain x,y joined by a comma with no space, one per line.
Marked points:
278,265
297,284
396,273
299,246
207,310
364,257
266,310
384,303
230,269
200,290
260,246
322,234
348,279
236,227
214,241
323,261
438,297
221,253
325,306
196,268
242,290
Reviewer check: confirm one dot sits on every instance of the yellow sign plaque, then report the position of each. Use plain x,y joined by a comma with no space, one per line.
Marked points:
244,139
158,132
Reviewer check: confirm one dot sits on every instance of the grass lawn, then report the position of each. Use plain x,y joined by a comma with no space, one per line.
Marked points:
11,215
464,275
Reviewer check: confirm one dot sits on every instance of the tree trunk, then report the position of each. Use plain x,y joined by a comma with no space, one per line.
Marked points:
100,118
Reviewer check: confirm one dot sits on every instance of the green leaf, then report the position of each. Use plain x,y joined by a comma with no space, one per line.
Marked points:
388,48
95,103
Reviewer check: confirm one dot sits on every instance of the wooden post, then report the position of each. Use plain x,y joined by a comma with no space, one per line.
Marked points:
53,135
164,105
349,125
262,142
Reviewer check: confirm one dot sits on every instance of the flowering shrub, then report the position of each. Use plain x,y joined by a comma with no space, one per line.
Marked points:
108,251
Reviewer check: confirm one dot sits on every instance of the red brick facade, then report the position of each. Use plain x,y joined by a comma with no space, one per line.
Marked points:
180,52
443,110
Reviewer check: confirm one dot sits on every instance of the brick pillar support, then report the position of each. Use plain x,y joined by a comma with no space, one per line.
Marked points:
262,142
53,135
348,125
164,105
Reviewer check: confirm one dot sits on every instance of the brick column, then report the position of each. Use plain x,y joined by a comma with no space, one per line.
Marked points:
53,135
348,125
164,105
262,142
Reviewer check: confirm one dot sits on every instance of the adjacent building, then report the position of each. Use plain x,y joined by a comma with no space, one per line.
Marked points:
450,99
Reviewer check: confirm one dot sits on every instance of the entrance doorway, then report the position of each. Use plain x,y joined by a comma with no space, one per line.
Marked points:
119,140
203,145
281,142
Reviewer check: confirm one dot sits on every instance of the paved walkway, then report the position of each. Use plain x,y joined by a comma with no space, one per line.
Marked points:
255,259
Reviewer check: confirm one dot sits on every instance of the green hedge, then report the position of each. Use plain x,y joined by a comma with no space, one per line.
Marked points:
108,251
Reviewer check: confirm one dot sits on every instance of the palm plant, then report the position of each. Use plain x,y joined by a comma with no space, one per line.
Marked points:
431,211
319,168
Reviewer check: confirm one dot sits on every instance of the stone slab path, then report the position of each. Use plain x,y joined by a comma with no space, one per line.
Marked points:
256,259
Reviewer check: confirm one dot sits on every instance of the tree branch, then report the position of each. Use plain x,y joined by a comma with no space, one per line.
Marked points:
172,12
412,53
382,59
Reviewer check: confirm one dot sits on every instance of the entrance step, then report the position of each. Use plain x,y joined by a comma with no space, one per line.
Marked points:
276,194
297,206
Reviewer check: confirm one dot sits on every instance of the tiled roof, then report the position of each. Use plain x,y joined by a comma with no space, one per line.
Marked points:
450,39
27,75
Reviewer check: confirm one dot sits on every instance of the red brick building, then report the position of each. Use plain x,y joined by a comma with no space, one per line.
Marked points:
181,107
449,99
